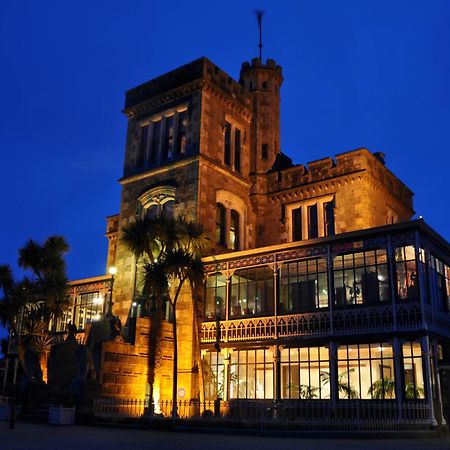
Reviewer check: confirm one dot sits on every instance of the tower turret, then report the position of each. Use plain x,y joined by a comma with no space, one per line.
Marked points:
263,81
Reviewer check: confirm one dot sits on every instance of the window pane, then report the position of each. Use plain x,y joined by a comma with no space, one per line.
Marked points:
237,150
313,230
227,144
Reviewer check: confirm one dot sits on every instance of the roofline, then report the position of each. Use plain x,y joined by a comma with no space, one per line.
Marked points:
417,223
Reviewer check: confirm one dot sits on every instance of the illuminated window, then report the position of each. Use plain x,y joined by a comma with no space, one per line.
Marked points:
305,373
251,374
311,219
366,371
230,217
213,375
215,295
234,230
88,308
406,271
163,137
361,277
252,292
413,371
232,146
221,213
303,286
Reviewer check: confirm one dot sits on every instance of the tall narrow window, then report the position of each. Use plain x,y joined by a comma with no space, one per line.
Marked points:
181,133
140,161
405,261
220,224
227,144
413,371
168,139
234,230
328,218
297,224
264,151
237,150
154,149
313,229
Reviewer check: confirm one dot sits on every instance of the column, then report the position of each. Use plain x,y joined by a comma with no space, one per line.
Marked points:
334,389
393,291
420,276
226,378
437,384
330,287
276,374
398,375
427,374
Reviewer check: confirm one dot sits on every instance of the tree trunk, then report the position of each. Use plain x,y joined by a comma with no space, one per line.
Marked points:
175,364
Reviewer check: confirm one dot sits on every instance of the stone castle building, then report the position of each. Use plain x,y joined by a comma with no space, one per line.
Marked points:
319,286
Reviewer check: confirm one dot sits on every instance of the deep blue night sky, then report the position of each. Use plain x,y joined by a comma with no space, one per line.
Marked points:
372,74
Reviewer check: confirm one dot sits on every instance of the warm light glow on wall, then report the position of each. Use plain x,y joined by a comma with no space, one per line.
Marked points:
156,397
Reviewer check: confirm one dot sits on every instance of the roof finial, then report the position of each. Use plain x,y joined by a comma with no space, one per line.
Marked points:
259,14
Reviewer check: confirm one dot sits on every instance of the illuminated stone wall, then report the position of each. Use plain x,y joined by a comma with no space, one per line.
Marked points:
365,193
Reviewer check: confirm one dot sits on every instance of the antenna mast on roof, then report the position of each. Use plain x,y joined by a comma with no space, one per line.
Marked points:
259,15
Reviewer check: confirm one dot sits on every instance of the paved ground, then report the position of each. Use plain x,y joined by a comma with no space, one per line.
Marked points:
40,437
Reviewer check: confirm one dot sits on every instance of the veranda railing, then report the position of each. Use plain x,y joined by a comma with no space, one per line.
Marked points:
285,416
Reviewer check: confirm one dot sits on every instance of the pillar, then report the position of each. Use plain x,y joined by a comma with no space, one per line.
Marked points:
427,373
334,389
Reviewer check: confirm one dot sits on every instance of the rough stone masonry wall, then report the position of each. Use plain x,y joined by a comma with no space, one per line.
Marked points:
186,180
125,366
362,186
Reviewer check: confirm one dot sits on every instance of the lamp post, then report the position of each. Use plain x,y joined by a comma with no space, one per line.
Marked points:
112,271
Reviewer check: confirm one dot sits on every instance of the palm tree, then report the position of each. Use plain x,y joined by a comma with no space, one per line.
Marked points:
46,262
382,388
169,274
343,383
169,250
28,306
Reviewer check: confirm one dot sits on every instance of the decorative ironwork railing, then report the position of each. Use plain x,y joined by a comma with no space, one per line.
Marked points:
355,320
437,321
280,416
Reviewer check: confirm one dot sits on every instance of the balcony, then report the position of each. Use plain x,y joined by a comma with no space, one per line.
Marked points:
343,322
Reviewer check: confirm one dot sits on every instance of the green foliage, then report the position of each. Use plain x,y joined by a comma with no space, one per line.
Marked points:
413,391
343,382
382,388
305,391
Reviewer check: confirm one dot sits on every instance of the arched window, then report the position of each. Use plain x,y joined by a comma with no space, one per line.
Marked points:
234,230
221,224
231,219
158,202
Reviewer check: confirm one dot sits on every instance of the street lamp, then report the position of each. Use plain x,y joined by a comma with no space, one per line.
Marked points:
112,271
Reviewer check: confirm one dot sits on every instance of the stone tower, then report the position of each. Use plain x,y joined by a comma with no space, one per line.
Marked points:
264,82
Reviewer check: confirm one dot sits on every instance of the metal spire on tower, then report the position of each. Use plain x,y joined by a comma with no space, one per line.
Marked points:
259,15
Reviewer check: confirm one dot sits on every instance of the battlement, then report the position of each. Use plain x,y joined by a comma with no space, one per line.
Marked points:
197,70
347,163
256,63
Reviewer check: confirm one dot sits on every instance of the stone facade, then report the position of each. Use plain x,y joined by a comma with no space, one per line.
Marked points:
251,177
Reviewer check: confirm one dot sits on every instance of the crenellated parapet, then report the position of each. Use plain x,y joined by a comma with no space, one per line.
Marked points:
181,82
344,164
